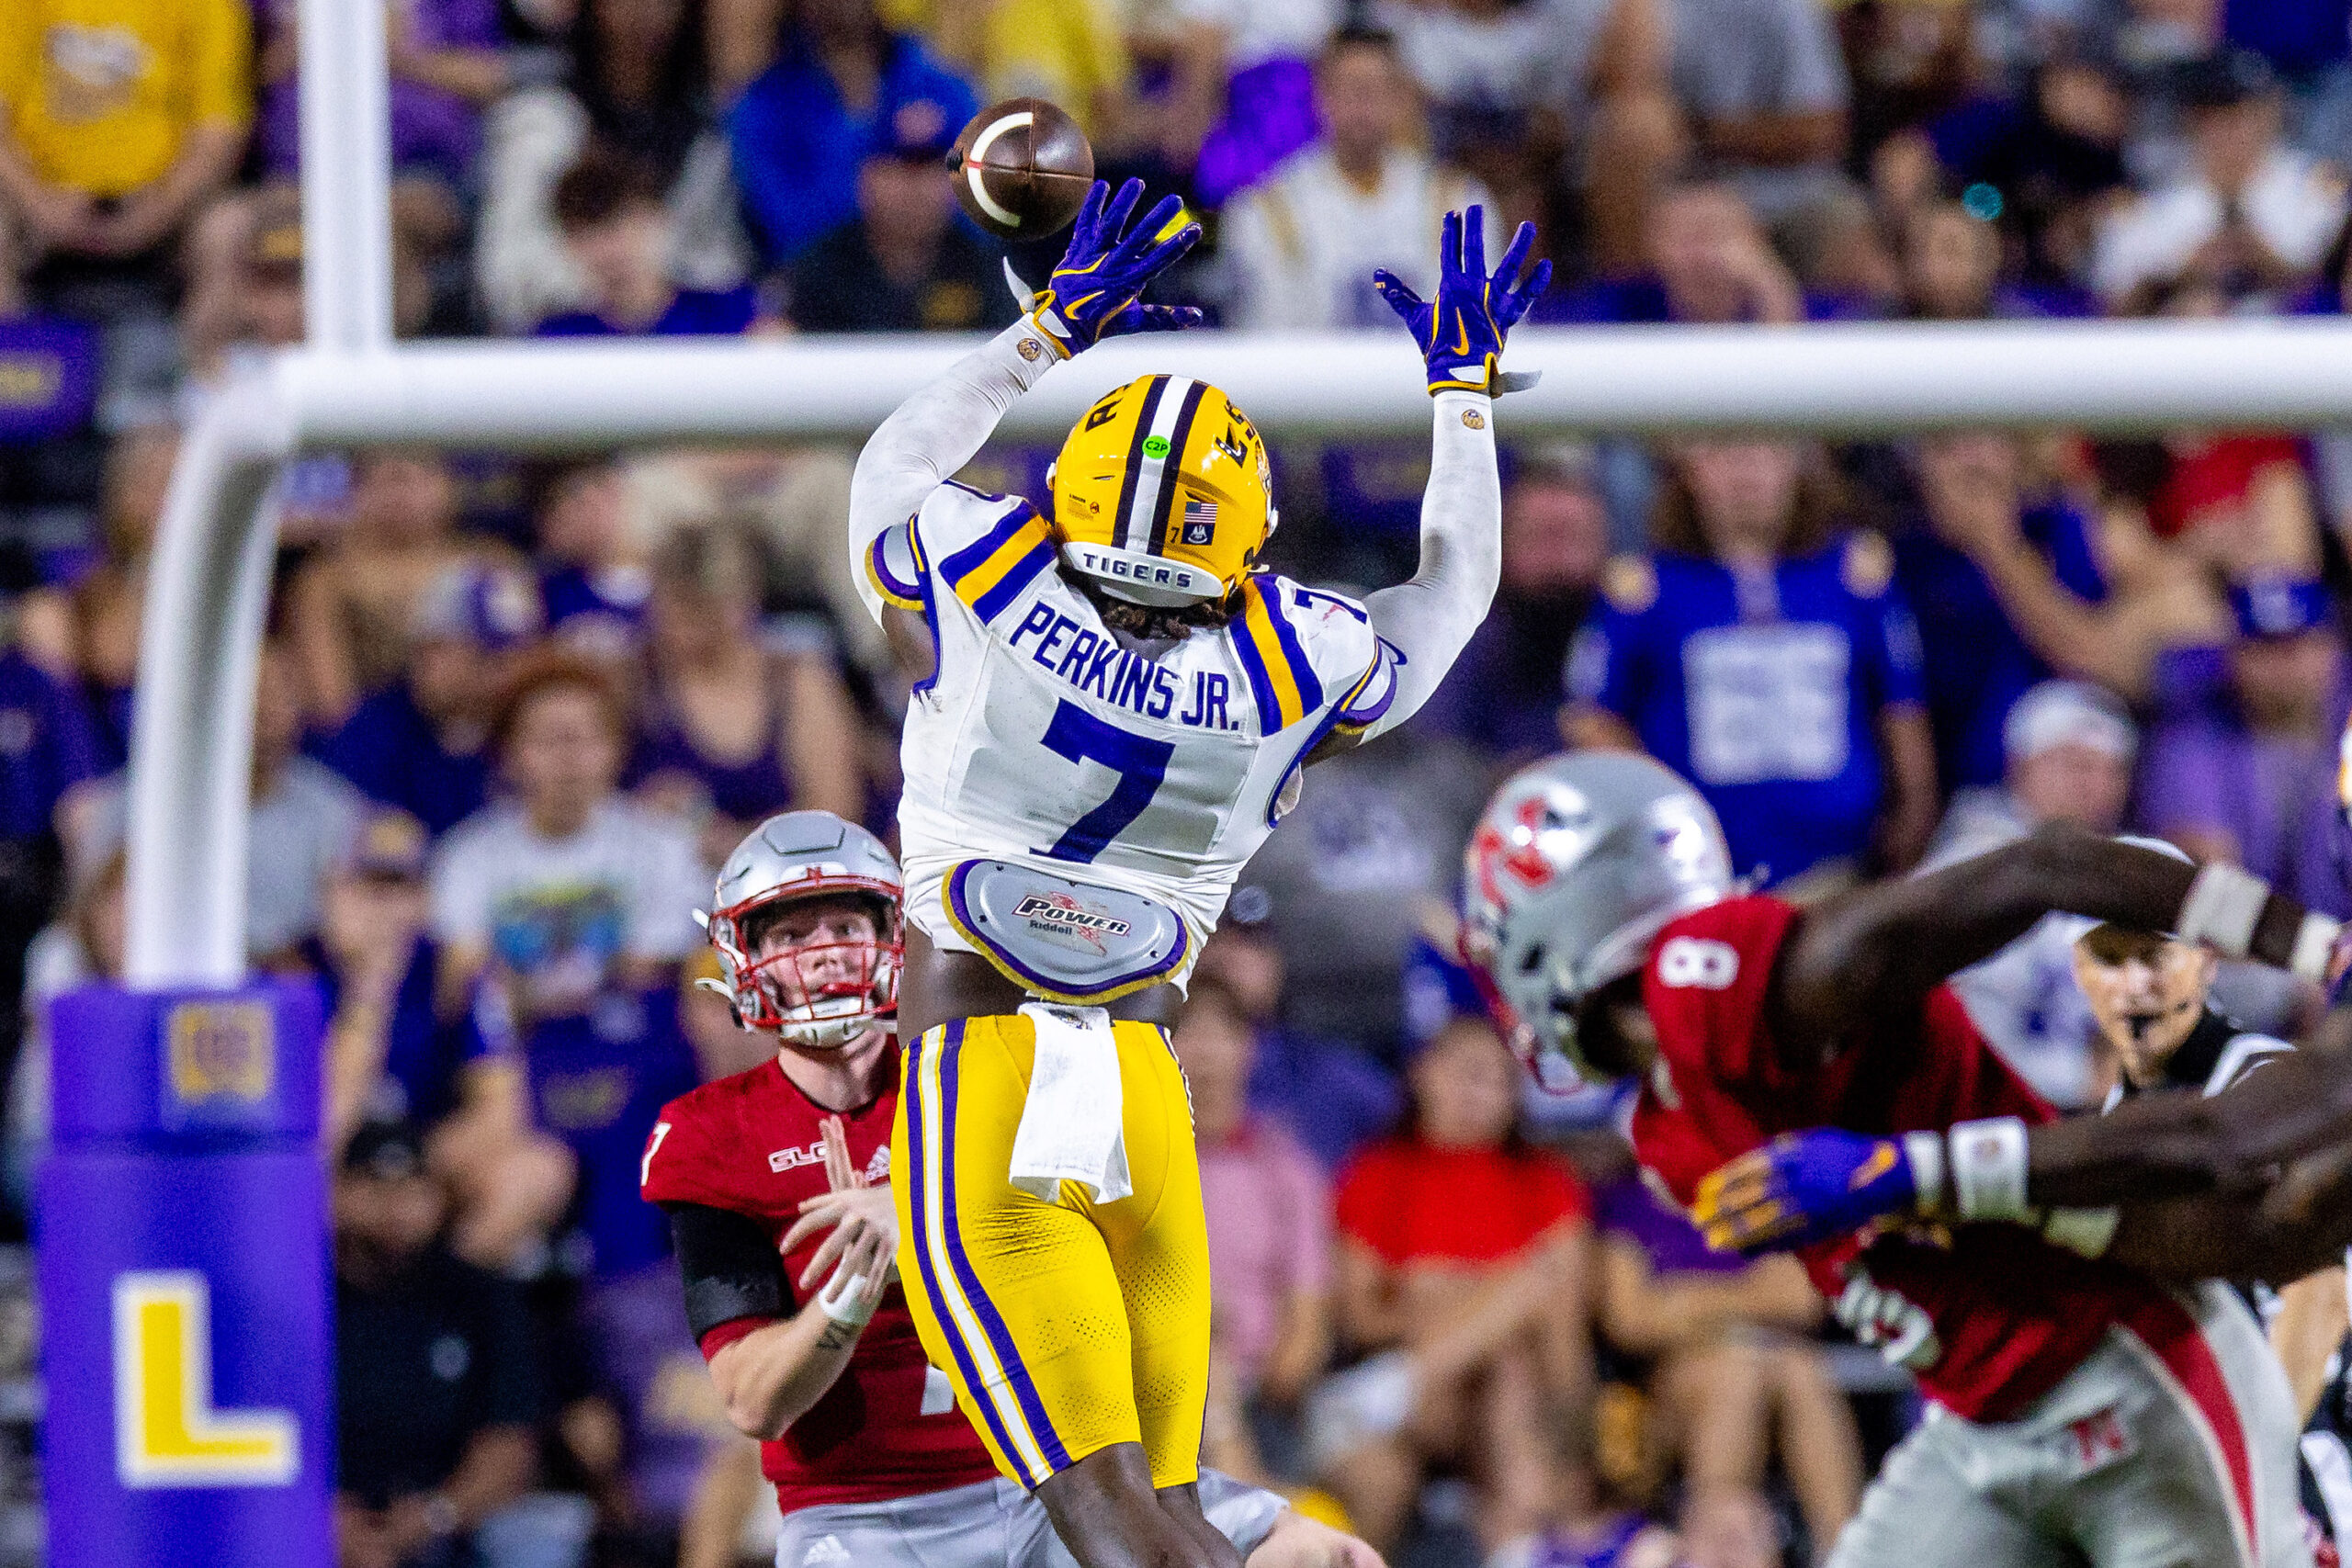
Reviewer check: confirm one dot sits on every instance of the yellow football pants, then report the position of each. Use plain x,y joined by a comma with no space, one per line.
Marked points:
1064,1326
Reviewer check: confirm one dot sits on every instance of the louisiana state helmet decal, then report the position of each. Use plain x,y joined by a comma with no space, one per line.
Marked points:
1162,494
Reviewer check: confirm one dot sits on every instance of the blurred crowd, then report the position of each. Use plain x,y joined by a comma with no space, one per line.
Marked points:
511,712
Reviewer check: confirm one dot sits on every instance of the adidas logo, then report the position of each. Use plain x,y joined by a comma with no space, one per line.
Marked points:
824,1549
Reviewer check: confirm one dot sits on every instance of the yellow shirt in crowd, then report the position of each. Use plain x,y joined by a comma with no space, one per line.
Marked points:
1063,50
99,92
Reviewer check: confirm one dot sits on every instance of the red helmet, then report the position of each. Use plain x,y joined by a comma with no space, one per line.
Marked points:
821,995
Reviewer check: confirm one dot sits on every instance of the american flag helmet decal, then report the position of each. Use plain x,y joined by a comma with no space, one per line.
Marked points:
1200,521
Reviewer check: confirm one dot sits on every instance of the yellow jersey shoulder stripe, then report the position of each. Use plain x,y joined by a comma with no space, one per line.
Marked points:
992,570
1281,679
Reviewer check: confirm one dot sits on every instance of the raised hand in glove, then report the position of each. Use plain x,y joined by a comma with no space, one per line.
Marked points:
1096,290
1461,331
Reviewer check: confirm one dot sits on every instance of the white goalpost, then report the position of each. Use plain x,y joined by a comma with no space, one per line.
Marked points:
351,387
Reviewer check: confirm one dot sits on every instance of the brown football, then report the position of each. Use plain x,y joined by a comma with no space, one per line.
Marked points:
1022,168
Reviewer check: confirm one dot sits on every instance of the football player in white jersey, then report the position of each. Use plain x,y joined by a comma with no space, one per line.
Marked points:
1120,706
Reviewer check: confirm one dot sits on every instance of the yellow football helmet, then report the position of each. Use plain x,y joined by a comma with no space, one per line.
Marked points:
1162,494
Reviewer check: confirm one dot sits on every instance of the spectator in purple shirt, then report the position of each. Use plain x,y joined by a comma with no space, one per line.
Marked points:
591,578
422,744
48,748
616,225
1952,272
645,1452
394,1054
2248,777
446,67
2309,43
63,353
1981,561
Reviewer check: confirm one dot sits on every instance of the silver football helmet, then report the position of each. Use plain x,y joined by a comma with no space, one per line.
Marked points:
1577,862
819,995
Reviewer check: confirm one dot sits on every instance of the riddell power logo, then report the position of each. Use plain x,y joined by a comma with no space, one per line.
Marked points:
1060,913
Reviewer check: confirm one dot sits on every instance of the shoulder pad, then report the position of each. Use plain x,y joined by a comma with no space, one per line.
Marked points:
955,514
687,1155
987,552
1867,565
1367,702
1330,633
1318,612
1706,979
1629,583
1283,635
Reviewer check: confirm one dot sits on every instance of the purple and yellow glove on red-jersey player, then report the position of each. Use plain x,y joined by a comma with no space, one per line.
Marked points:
1461,331
1811,1186
1097,288
1826,1182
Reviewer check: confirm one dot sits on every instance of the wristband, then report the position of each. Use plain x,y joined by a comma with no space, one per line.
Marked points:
1036,348
1047,325
844,1300
2314,947
2224,905
1988,1168
2084,1231
1925,1154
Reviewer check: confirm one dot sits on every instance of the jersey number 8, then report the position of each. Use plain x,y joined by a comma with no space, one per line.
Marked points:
1694,961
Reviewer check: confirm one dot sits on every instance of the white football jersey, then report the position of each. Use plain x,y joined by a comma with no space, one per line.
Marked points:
1042,738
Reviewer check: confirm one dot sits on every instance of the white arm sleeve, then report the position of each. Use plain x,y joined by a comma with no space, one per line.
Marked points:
1430,618
934,433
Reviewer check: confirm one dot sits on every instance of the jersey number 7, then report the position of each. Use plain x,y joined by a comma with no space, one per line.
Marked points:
1140,762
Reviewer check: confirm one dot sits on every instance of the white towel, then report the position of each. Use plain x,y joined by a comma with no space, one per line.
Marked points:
1073,1127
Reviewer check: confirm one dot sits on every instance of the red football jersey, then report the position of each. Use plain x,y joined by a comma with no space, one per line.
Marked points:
1988,1316
750,1144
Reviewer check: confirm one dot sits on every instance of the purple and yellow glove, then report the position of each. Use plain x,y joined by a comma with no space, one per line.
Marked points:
1461,331
1824,1183
1097,288
1806,1187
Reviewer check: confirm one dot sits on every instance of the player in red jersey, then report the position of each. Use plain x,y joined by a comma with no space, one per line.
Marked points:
2084,1409
777,1184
